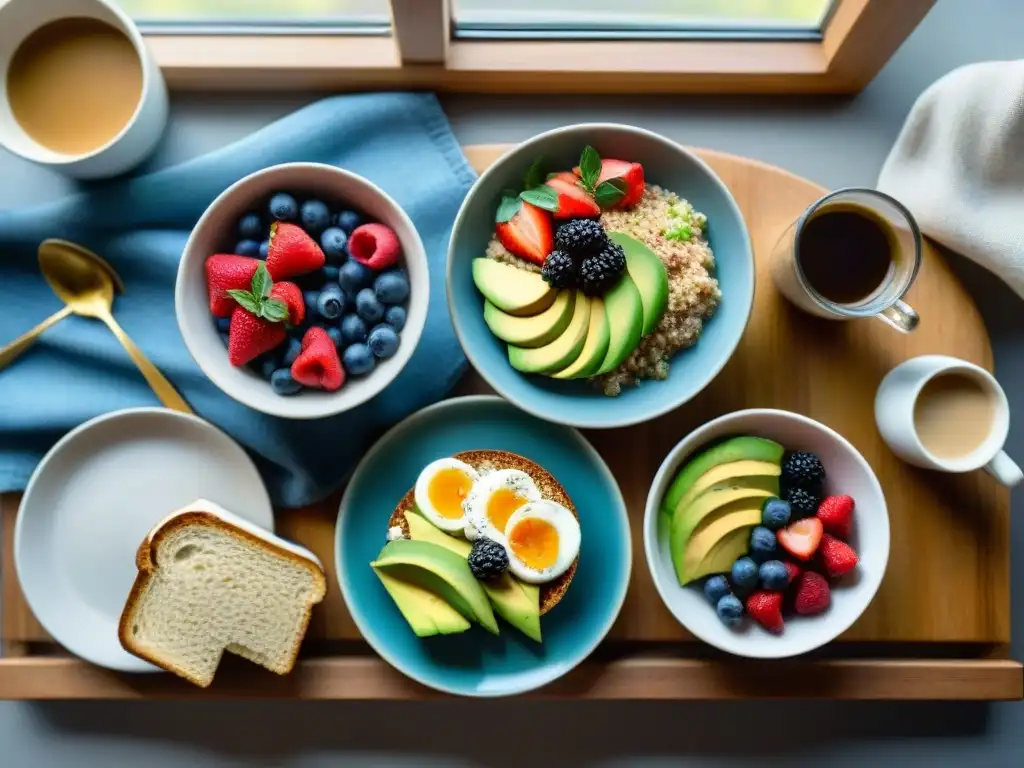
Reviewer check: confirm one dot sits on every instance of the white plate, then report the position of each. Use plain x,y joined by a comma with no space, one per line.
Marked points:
93,499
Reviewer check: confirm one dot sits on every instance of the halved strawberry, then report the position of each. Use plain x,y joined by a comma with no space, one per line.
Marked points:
528,234
793,570
291,295
801,538
631,173
225,272
573,200
250,336
291,251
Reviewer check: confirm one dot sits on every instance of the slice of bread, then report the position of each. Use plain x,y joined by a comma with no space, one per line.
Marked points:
210,581
552,592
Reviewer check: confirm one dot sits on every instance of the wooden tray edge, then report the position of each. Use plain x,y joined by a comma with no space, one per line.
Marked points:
361,678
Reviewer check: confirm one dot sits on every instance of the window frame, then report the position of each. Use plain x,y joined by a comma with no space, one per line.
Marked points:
422,53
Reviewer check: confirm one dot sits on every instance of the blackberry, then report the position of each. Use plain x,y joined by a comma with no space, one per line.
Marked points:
559,270
601,271
803,501
580,236
801,469
488,559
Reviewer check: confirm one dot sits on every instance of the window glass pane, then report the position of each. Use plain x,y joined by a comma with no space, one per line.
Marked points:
762,17
262,12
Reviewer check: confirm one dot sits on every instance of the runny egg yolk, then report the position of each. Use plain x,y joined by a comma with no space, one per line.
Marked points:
534,542
447,490
501,504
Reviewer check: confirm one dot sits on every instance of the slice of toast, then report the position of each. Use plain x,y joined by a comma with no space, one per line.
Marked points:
552,592
211,582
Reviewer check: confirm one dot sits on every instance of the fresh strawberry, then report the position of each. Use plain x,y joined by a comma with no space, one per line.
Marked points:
793,569
631,173
291,295
766,609
225,272
801,538
250,336
374,245
836,515
528,233
837,556
318,365
292,252
812,594
573,200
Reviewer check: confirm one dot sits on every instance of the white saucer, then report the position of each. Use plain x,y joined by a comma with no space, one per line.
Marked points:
93,499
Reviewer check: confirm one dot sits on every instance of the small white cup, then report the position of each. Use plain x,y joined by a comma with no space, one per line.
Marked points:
138,138
894,413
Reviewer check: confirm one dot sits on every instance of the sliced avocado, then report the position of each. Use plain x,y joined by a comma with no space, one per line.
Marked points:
625,322
536,330
594,348
739,514
560,352
731,548
421,529
512,289
439,570
649,275
425,612
725,472
732,449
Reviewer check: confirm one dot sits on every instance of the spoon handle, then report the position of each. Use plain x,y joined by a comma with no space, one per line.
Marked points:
26,340
164,390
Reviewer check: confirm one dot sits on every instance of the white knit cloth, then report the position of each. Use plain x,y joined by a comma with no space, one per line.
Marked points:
958,165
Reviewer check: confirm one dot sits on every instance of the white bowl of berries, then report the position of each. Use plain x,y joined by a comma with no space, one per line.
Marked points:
766,533
302,291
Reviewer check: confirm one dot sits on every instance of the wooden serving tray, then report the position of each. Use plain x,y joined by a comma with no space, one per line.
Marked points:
939,627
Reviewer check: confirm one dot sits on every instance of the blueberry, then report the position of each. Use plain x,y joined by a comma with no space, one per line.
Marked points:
358,359
352,276
391,287
330,273
315,217
716,587
282,383
331,302
248,248
744,573
264,249
353,329
283,207
333,242
223,324
773,574
292,351
729,610
251,227
348,220
775,514
395,317
269,364
763,544
383,342
368,307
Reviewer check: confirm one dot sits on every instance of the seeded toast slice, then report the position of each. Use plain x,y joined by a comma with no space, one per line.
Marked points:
552,592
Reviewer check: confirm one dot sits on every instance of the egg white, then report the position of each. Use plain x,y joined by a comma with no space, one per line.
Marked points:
477,521
422,494
567,528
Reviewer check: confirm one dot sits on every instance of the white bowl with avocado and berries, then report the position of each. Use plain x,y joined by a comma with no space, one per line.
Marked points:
766,533
302,291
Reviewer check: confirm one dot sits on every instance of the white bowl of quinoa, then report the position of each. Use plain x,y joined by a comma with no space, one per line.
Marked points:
685,216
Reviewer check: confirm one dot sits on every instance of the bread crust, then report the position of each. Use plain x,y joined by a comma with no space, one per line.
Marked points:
145,561
552,592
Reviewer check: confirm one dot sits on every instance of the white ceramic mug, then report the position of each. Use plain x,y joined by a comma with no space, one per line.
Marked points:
895,403
138,138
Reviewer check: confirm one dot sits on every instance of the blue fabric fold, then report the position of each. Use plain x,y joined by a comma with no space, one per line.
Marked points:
400,141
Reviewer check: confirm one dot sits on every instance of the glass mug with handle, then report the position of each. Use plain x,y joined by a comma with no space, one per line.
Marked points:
853,253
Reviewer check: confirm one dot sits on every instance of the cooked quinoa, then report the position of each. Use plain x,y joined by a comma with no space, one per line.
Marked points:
673,230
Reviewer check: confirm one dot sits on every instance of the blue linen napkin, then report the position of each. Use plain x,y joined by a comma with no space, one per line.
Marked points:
401,141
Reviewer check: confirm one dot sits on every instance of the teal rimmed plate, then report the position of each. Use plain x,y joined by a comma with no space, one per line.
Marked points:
475,663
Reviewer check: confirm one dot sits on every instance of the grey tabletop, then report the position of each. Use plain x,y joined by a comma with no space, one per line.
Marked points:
832,140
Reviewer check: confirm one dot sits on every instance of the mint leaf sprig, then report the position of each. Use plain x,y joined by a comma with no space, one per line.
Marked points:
609,192
257,300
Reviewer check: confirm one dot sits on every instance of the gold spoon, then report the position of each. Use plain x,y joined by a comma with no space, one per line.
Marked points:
75,274
26,340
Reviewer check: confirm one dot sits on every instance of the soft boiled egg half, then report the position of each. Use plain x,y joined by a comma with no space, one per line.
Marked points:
494,499
441,489
542,539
